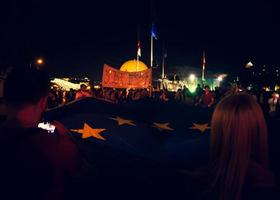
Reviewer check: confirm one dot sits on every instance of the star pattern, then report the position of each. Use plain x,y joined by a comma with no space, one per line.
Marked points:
122,121
162,126
88,131
200,127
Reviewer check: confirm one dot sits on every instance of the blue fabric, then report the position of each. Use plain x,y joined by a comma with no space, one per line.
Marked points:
153,31
182,148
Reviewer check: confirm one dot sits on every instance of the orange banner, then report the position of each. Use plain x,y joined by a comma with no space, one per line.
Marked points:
114,78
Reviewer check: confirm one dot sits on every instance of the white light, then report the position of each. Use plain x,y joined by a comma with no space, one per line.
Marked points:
249,64
220,78
40,61
192,77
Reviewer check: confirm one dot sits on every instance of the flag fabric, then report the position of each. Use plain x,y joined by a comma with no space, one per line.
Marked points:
153,32
137,150
136,144
139,49
150,129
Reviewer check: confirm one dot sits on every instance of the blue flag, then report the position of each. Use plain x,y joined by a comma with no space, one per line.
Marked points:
136,146
153,32
170,133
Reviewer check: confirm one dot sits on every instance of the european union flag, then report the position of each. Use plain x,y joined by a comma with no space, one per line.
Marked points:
170,133
134,143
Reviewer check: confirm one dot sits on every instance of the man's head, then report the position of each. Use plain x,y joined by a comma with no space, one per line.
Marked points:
206,88
27,88
83,87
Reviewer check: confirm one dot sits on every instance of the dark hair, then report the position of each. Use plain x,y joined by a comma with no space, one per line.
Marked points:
206,86
238,136
82,86
25,86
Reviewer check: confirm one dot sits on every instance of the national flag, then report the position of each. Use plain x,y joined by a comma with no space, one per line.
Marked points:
153,32
139,49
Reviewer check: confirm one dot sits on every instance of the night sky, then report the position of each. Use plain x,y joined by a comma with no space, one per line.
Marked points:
77,37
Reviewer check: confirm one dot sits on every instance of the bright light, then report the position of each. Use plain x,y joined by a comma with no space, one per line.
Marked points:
192,88
249,64
220,78
192,77
40,61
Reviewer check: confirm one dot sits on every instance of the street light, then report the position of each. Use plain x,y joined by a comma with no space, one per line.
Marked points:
192,83
192,77
220,78
39,61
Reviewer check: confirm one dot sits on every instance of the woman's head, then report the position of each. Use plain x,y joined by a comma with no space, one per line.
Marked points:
238,135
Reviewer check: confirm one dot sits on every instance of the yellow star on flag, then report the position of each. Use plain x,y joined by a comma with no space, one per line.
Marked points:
200,127
88,131
122,121
162,126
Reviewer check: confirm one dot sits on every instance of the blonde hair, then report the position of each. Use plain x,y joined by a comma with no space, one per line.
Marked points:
238,135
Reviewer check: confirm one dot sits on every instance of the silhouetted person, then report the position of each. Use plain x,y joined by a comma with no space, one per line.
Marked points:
207,98
34,163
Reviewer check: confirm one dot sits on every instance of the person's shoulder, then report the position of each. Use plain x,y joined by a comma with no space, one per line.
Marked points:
60,149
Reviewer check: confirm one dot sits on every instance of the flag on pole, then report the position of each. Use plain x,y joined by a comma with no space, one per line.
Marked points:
153,32
139,49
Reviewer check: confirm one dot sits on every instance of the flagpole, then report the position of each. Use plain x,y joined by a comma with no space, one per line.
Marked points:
152,50
203,66
162,72
137,62
138,53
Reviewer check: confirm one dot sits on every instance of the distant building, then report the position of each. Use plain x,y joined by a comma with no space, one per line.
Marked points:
179,76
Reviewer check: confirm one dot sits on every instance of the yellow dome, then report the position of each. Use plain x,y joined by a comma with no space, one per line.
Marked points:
131,66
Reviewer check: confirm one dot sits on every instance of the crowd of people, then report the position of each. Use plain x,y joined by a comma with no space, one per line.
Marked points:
202,96
238,166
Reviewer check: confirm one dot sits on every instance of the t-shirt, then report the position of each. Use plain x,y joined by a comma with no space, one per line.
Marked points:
81,94
207,98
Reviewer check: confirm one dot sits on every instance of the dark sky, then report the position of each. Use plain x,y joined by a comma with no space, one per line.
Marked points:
78,37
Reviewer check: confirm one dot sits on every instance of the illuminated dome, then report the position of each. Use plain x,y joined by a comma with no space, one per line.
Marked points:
131,66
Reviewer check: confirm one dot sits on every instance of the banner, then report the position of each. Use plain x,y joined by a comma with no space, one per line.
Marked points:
114,78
